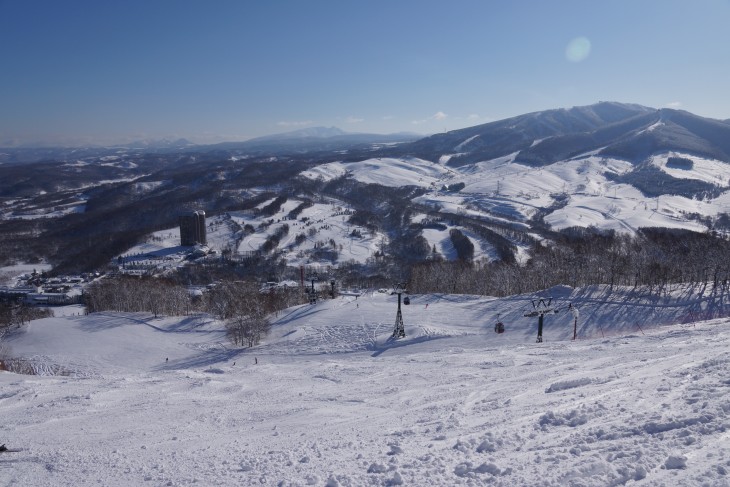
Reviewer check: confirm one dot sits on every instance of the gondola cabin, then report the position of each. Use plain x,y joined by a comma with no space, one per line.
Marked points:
406,300
499,327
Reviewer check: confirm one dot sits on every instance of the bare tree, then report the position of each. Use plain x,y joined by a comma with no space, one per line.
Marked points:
248,329
133,294
245,310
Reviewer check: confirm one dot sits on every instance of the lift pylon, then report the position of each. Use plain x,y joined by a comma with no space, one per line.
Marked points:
541,307
399,331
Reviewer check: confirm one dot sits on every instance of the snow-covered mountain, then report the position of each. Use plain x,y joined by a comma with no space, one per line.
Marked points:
625,131
608,166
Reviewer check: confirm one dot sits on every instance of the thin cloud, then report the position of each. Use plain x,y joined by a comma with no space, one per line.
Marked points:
294,124
352,119
435,116
674,104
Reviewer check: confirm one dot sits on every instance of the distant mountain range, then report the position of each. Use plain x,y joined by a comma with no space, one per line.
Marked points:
317,139
181,143
309,132
309,139
608,166
624,131
297,142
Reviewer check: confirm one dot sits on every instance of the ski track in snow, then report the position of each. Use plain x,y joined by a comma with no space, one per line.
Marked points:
333,401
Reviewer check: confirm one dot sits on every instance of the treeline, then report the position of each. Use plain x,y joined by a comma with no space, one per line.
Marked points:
240,304
293,214
273,240
463,246
409,246
20,314
134,294
655,257
273,208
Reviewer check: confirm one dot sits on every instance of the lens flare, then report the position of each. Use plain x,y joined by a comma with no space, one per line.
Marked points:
578,49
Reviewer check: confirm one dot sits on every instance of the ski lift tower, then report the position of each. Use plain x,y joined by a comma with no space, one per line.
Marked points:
312,293
541,307
576,315
399,331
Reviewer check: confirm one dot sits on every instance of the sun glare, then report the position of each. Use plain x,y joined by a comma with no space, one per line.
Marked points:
578,49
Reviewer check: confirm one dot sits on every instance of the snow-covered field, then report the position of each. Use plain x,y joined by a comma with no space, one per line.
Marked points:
331,401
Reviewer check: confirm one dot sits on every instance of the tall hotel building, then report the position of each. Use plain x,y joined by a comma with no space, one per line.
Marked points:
192,228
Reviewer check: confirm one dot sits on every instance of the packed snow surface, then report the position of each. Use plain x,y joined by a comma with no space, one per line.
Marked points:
329,399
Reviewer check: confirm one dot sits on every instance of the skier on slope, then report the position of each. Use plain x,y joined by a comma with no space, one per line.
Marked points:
5,449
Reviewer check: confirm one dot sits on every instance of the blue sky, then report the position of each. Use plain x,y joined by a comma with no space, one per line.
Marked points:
110,71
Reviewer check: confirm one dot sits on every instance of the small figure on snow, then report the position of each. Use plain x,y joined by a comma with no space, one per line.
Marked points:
3,447
255,361
499,327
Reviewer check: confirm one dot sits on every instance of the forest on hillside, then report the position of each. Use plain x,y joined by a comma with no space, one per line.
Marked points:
654,257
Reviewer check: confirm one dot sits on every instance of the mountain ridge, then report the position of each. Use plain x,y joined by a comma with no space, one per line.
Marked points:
628,131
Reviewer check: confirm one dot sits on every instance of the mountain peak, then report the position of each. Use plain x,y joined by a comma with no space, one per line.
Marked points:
627,131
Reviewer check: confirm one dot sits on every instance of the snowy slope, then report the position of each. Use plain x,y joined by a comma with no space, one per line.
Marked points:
505,191
441,241
332,402
385,171
320,224
703,169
